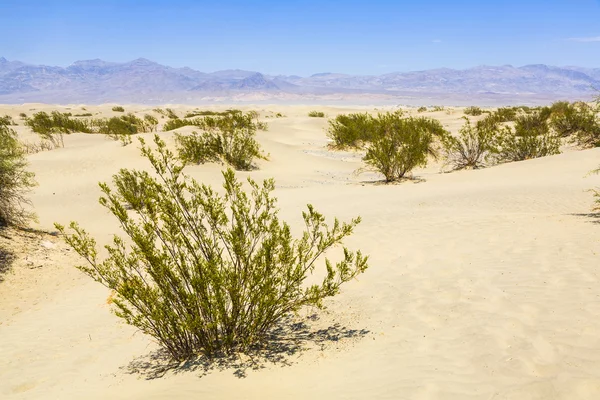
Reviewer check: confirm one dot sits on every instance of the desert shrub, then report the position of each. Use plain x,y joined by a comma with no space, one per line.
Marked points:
351,130
205,113
7,120
225,121
150,123
120,128
204,273
198,148
516,145
33,148
474,146
422,109
473,110
438,108
231,143
399,146
316,114
176,123
578,120
56,122
15,180
505,114
171,114
535,123
83,115
118,109
22,115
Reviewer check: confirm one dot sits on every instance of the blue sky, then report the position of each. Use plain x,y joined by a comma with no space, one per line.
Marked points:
304,37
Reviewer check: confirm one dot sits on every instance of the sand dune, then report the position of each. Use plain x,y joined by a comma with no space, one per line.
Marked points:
482,284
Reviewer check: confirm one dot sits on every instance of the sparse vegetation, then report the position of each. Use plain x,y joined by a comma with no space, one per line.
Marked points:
229,138
56,123
474,146
316,114
399,145
7,120
171,114
422,109
578,121
208,274
519,145
15,180
351,130
118,109
473,110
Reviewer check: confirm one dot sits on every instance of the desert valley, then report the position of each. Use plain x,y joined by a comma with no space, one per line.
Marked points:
482,282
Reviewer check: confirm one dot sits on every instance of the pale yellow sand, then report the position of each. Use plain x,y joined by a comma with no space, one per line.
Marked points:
483,284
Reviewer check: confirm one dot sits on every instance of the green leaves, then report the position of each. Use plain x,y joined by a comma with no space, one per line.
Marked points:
401,144
229,138
204,272
15,180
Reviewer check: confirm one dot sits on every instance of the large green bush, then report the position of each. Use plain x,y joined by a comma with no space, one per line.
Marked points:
204,273
15,180
474,147
399,145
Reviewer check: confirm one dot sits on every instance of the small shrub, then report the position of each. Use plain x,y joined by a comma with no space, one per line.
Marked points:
229,142
56,122
150,123
438,108
473,148
33,148
422,109
517,145
399,146
535,123
505,114
171,114
204,273
7,120
578,121
23,115
83,115
316,114
118,109
473,110
15,180
351,130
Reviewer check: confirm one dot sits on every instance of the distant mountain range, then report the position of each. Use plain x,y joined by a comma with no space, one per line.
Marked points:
144,81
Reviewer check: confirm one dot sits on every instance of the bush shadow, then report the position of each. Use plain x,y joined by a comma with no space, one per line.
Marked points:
593,217
289,338
6,260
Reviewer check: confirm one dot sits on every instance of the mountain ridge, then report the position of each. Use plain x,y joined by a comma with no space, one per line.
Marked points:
143,80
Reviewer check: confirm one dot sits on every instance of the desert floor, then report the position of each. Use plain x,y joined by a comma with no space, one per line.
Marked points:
482,284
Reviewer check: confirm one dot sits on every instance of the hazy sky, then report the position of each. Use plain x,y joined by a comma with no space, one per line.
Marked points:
304,37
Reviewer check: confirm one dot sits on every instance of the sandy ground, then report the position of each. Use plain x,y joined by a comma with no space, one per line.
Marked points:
482,284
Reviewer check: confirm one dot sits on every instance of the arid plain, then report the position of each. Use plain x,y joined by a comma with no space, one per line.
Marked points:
483,284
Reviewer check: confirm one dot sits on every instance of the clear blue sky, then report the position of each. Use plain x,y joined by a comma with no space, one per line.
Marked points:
304,37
